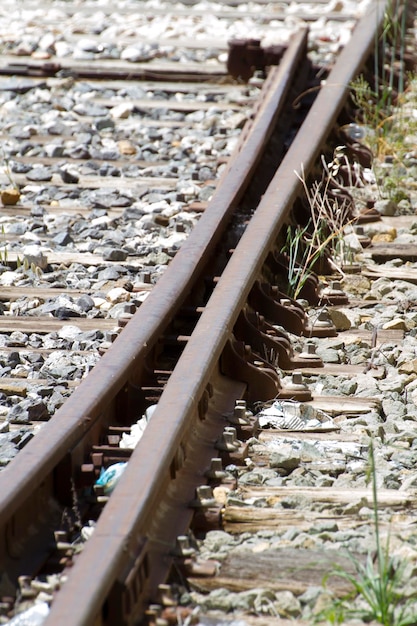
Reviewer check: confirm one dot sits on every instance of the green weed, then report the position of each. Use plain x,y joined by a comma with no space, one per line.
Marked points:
378,582
323,233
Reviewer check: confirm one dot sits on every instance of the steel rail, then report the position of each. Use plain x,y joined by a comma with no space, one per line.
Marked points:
91,406
117,544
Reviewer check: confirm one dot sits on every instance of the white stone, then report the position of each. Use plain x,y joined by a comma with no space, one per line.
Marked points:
99,302
117,294
35,255
46,42
62,49
121,111
69,332
35,615
89,45
7,279
99,221
340,319
135,54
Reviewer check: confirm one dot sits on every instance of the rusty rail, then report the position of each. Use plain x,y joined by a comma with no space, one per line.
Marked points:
50,459
133,541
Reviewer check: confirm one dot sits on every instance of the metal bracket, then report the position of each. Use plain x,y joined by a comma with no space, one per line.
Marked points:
238,362
270,343
246,56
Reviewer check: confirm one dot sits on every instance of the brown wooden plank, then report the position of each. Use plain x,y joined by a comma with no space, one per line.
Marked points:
183,106
382,336
269,434
386,251
98,182
8,294
387,498
340,369
36,160
42,325
69,208
394,273
84,258
263,620
114,68
19,386
238,519
337,405
280,569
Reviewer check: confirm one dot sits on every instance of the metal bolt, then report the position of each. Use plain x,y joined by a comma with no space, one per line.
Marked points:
233,431
204,497
182,546
227,442
323,319
111,336
297,382
129,308
310,347
26,590
216,471
334,289
145,277
242,403
238,416
309,351
297,378
153,612
165,595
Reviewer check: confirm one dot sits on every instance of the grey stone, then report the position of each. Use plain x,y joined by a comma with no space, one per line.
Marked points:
39,174
57,128
405,458
257,477
110,273
85,303
286,604
105,123
92,110
216,539
78,152
394,409
310,596
327,526
53,150
27,410
386,207
328,355
286,458
8,450
69,176
114,254
63,239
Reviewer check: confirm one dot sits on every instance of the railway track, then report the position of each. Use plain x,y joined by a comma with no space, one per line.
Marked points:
210,338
